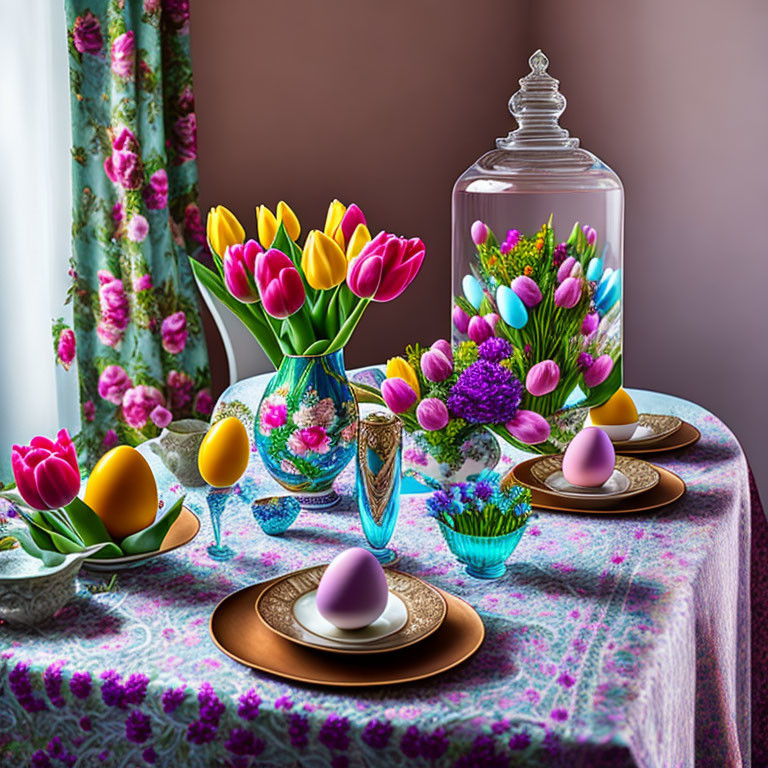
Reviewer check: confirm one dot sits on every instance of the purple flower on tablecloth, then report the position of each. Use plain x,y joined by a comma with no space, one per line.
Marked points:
243,742
409,744
174,333
483,755
201,733
485,393
156,192
495,349
149,755
561,715
433,746
185,138
298,727
86,34
57,751
52,684
39,759
501,726
284,702
21,687
124,54
172,698
136,688
211,707
520,741
377,733
85,723
138,727
566,680
103,755
340,761
248,706
333,732
112,691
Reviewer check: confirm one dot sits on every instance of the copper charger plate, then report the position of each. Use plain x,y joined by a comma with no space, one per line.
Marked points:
682,437
669,488
180,533
238,632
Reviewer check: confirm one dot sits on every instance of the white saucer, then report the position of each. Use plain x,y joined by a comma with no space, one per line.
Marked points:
617,483
393,619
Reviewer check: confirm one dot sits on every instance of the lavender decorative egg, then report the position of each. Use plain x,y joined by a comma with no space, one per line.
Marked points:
589,459
353,591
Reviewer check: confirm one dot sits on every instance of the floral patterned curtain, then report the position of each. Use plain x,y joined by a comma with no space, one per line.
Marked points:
137,334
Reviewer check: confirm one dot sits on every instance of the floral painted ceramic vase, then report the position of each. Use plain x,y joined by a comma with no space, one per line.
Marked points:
305,426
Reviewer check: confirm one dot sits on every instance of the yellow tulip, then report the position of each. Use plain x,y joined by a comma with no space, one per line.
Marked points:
332,229
398,367
360,238
267,225
223,229
322,261
289,220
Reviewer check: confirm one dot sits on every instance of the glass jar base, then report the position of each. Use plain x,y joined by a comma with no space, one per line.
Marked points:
319,500
488,571
220,552
386,556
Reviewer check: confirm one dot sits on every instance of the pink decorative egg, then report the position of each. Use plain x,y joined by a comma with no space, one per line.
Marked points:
353,591
589,459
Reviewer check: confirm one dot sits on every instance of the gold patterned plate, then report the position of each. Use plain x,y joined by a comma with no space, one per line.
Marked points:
630,478
239,633
180,533
651,427
425,605
669,488
683,437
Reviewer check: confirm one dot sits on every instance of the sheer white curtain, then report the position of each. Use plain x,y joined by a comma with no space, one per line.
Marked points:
36,397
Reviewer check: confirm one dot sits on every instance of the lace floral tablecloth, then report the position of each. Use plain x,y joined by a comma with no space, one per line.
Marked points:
611,641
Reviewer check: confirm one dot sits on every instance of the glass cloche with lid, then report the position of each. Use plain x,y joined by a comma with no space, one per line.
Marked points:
537,259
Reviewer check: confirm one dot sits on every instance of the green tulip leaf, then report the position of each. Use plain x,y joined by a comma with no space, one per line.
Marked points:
57,525
87,523
28,544
367,394
39,535
108,551
150,539
64,545
317,347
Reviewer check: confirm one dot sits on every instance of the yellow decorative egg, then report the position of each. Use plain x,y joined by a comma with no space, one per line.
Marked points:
617,417
122,492
224,453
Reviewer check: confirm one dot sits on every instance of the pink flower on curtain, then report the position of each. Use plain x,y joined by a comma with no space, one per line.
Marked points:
180,388
160,416
193,225
115,311
177,11
152,6
123,166
124,54
138,228
110,439
174,332
65,350
118,214
89,410
86,34
186,100
114,382
142,283
156,192
139,402
204,402
185,135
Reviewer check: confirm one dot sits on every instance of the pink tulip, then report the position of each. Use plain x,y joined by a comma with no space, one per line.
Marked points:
398,395
435,365
565,269
543,378
279,283
46,473
527,290
568,293
432,414
352,217
590,233
479,329
239,265
479,232
443,346
599,371
529,427
493,320
460,319
591,321
387,262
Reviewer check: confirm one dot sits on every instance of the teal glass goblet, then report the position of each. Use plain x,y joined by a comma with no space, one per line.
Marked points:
379,461
217,501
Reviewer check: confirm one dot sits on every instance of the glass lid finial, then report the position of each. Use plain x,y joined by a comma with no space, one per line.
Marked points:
537,107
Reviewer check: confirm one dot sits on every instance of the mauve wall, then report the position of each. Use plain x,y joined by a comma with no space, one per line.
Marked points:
385,104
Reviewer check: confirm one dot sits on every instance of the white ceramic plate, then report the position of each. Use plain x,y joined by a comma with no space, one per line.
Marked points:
617,483
392,620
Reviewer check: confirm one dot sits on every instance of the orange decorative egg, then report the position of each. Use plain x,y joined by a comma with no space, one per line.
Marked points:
224,453
617,417
122,491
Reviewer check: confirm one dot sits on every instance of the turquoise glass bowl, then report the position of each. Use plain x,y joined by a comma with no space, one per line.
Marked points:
275,514
484,557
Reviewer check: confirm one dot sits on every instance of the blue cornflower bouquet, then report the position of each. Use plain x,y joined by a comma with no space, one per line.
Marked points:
483,507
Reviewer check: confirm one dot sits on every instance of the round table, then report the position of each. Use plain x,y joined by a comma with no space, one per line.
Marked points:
612,640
